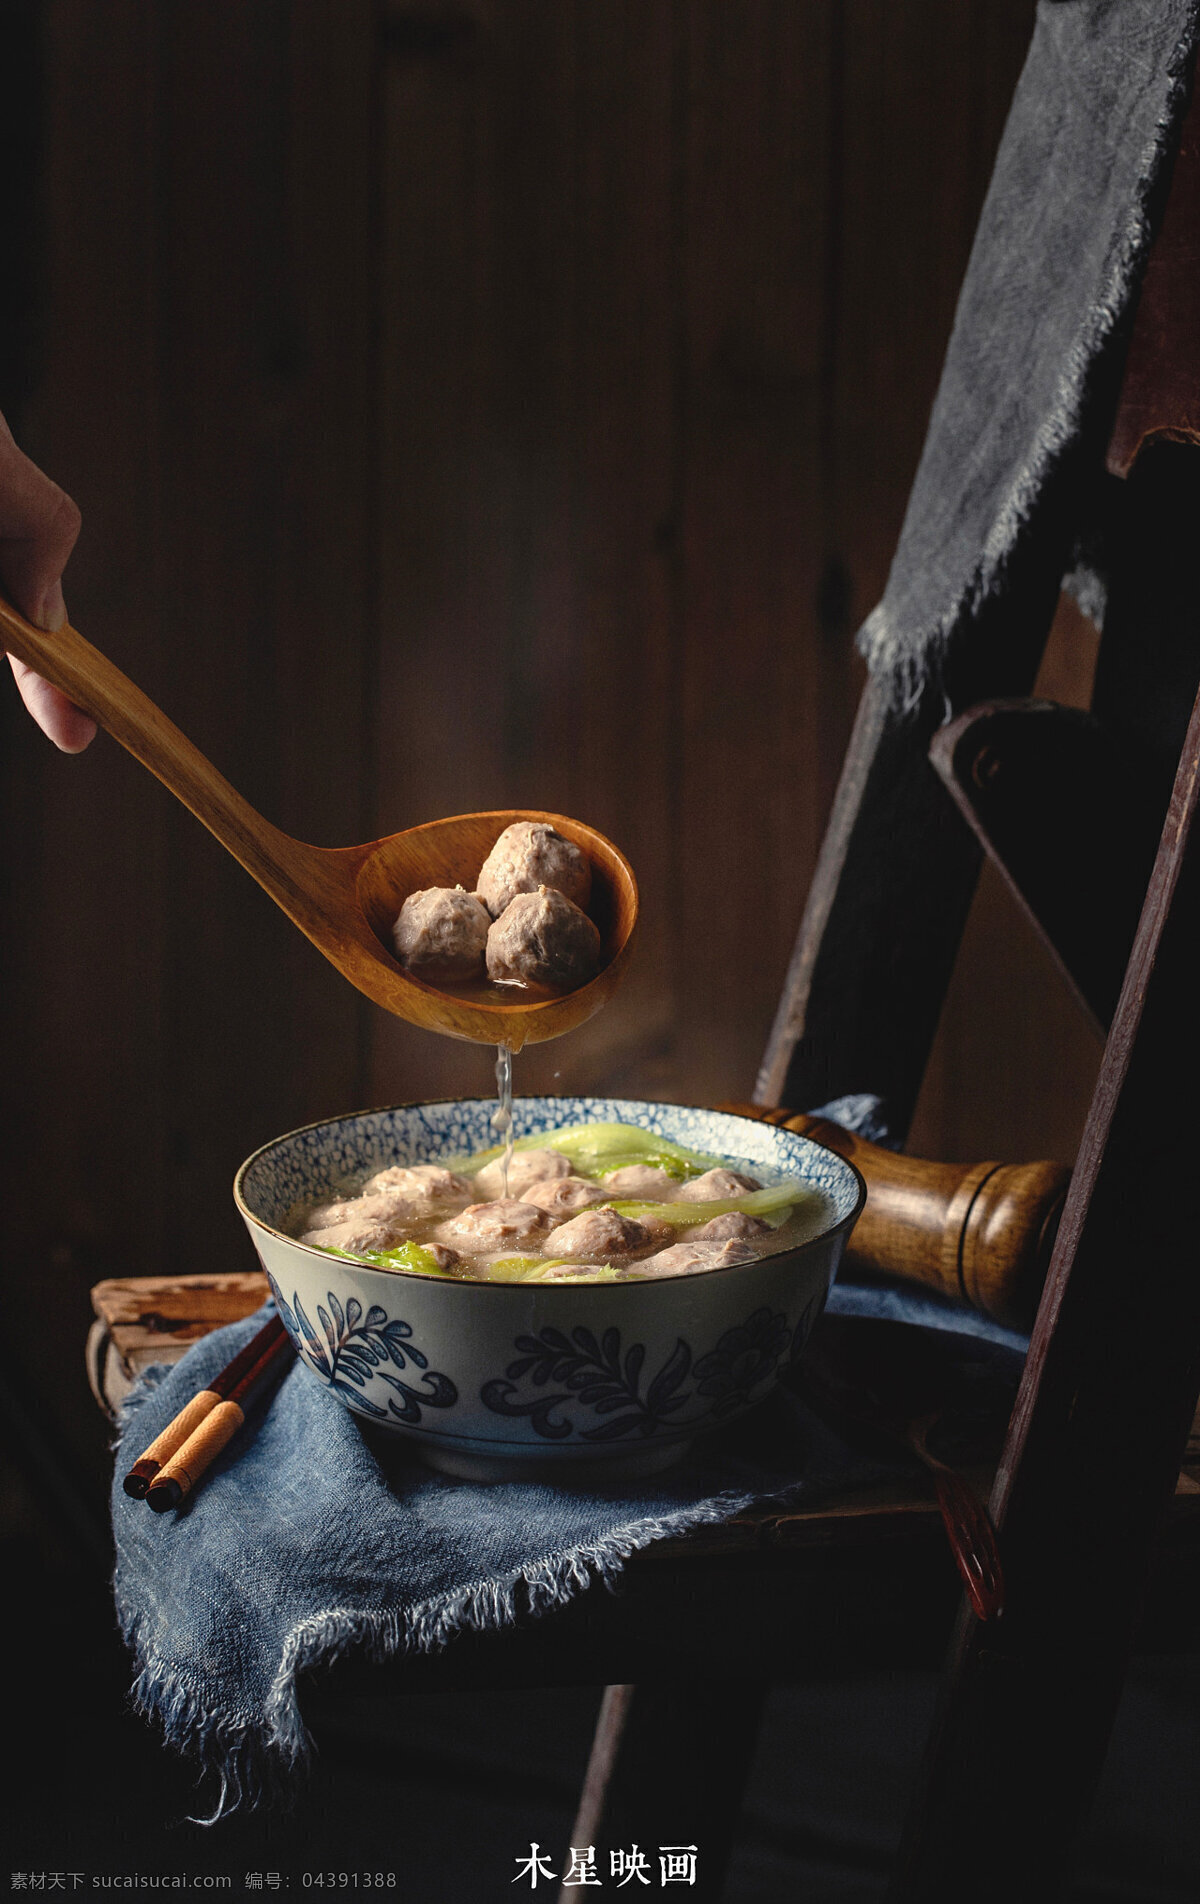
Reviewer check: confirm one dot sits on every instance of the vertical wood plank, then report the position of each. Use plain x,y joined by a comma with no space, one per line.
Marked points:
918,98
757,164
204,393
264,516
325,577
925,90
526,469
84,1159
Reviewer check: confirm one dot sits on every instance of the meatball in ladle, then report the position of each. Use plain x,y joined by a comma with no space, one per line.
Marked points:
525,925
527,855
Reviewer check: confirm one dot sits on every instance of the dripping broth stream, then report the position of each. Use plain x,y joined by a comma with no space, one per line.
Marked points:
502,1117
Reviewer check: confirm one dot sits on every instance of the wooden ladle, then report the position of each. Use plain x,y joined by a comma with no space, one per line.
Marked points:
346,898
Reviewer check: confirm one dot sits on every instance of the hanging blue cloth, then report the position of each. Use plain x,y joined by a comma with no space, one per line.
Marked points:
1012,469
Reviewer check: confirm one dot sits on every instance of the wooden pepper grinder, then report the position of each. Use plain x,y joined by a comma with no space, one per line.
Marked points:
979,1233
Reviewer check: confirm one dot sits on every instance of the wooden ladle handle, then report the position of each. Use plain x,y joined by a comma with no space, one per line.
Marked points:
978,1233
97,685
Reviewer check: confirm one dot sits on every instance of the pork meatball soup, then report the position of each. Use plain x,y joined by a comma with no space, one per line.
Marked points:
602,1202
627,1276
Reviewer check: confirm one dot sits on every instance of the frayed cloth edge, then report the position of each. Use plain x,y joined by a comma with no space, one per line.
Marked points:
259,1761
909,663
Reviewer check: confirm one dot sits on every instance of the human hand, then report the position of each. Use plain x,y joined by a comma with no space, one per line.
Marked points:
38,527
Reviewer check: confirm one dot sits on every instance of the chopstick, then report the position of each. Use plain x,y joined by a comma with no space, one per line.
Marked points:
179,1475
147,1467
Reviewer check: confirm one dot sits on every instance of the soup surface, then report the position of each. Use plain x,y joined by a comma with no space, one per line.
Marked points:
592,1203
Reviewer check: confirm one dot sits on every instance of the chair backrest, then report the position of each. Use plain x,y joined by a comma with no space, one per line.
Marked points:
1111,1381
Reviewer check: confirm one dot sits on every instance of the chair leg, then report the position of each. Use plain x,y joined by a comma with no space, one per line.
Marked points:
668,1768
1096,1439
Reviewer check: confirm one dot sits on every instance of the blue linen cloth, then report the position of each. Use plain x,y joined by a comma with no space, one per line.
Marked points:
302,1542
1011,477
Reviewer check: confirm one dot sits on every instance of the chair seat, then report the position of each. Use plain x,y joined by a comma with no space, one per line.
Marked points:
864,1577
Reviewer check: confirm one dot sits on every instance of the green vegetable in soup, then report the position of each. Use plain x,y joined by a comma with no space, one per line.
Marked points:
410,1256
596,1150
775,1201
534,1269
514,1269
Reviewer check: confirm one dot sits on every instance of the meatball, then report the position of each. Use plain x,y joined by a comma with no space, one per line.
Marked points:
524,1167
542,938
563,1196
682,1259
385,1207
734,1224
599,1235
715,1184
444,1258
641,1180
486,1225
527,855
442,933
358,1233
659,1231
430,1183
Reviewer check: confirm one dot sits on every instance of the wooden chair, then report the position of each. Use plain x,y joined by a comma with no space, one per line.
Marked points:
1098,1525
1092,822
1072,810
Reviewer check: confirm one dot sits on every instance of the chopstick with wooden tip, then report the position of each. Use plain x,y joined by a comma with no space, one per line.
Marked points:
178,1476
173,1436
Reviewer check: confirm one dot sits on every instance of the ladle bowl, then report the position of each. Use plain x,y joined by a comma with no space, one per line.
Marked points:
346,898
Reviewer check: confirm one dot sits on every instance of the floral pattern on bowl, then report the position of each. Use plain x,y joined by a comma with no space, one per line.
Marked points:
593,1374
352,1350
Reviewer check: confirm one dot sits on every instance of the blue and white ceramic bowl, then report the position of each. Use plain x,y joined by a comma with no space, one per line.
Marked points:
503,1380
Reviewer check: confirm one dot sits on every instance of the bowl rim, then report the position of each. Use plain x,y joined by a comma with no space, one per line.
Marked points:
248,1216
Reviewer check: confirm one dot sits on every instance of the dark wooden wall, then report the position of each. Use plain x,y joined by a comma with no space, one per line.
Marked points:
505,403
